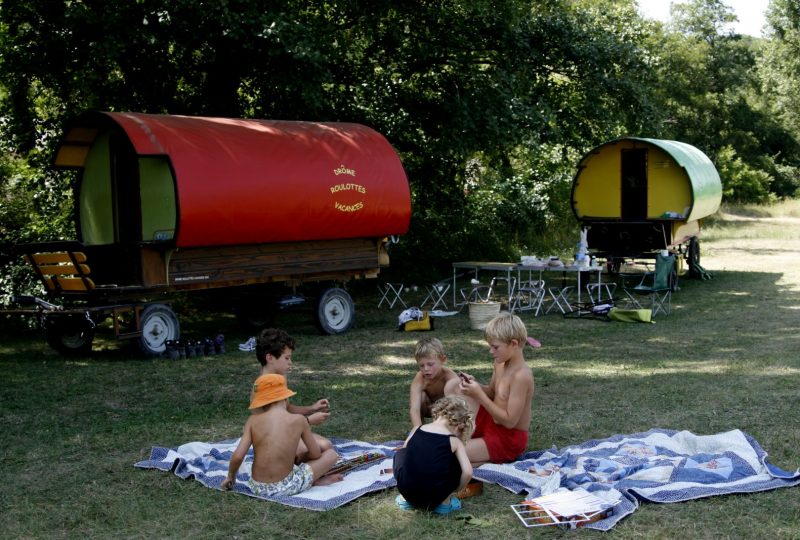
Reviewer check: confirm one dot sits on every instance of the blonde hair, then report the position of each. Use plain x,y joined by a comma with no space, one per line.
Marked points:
506,327
429,346
456,411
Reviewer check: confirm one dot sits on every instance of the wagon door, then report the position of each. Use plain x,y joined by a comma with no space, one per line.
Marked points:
634,184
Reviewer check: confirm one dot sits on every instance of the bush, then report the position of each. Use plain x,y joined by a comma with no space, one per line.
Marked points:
740,182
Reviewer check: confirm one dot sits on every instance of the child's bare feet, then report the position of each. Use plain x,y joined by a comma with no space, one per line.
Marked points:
329,479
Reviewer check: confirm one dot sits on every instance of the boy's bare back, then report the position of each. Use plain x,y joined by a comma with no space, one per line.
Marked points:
274,435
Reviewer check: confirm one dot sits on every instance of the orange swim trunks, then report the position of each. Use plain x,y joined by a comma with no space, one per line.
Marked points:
504,444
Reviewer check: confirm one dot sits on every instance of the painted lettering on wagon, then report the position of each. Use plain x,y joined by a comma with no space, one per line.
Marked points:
348,207
344,170
348,187
345,187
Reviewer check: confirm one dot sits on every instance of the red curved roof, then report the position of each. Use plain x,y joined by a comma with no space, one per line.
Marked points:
257,181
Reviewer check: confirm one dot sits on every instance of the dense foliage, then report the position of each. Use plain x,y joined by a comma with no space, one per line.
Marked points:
490,104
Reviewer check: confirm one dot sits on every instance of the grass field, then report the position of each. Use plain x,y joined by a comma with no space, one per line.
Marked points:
727,357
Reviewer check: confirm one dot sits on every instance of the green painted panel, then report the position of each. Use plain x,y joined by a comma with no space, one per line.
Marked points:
95,206
157,193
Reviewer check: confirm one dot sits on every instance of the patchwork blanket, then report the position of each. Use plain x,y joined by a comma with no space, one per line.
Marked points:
208,464
658,466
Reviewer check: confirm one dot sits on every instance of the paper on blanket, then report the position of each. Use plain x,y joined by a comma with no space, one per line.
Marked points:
207,462
658,466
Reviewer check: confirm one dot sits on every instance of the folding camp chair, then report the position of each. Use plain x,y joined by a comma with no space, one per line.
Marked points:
602,292
484,293
656,285
437,292
529,296
475,293
390,294
560,299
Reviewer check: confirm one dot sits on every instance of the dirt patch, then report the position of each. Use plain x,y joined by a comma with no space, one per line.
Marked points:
771,244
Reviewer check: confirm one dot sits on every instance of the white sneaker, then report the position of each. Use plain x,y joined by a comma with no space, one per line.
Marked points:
249,345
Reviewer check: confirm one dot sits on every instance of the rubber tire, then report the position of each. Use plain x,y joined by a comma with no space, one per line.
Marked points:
158,324
693,256
70,336
613,265
335,311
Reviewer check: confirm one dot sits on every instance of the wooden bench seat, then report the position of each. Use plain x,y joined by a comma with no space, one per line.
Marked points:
62,271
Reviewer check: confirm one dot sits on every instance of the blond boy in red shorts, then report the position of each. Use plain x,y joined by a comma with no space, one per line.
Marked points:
503,407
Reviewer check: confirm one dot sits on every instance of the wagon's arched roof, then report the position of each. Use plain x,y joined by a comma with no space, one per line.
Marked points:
241,181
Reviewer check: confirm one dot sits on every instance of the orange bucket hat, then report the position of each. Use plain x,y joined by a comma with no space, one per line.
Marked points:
269,389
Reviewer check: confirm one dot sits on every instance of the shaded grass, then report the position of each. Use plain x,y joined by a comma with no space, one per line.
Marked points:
725,359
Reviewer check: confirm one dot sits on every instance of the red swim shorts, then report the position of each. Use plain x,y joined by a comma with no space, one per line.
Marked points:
504,444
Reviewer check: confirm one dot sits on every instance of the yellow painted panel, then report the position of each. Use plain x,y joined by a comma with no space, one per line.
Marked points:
682,231
597,185
71,156
668,186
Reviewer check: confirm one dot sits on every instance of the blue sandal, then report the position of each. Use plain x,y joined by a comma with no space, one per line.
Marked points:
402,503
444,509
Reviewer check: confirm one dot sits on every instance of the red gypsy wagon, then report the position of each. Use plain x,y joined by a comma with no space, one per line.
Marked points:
177,203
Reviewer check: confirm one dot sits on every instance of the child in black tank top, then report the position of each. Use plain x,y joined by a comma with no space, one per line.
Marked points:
433,462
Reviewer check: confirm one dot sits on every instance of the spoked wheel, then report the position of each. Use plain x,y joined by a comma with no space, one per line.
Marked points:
159,324
70,335
335,311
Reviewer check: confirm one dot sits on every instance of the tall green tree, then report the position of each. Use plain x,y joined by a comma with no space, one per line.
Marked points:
712,98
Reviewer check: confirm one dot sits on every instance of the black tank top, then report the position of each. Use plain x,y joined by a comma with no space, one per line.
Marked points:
427,470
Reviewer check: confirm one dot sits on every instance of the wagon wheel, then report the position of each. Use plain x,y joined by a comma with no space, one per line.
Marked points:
70,335
693,257
613,265
335,311
159,324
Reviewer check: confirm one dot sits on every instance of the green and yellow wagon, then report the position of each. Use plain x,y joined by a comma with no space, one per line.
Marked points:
639,196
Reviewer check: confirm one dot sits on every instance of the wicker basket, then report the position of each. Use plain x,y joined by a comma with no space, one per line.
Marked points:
480,313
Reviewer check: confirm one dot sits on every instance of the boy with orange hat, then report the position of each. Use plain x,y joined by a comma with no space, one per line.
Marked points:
274,434
274,349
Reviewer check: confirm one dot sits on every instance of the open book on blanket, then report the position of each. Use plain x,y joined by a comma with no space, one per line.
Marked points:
658,466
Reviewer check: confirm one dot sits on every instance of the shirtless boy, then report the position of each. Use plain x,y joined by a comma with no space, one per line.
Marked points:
274,349
504,405
429,382
274,434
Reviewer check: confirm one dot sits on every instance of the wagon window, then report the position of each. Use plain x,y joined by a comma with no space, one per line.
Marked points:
157,194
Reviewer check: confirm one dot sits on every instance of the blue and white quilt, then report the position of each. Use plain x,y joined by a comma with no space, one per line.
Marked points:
208,464
658,466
